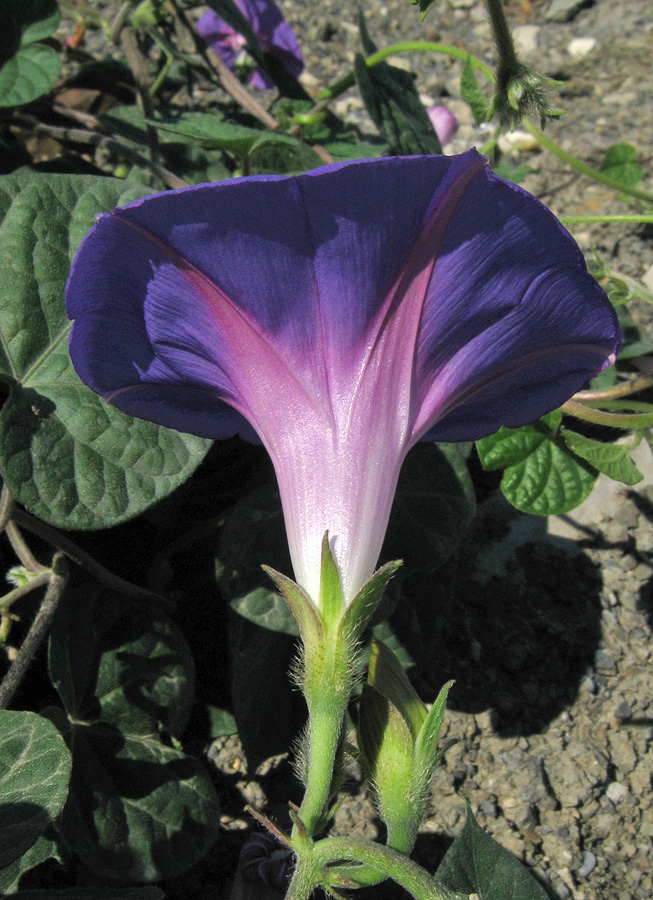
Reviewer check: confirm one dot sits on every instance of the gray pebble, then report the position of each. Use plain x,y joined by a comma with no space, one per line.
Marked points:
489,809
616,792
623,711
603,662
589,862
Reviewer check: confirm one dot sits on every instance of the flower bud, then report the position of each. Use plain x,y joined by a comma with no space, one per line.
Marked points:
397,737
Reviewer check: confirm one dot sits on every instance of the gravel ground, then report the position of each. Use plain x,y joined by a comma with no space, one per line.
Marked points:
550,637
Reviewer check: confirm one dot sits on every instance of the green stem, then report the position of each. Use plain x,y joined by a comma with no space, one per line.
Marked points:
508,62
326,715
387,862
580,166
406,47
606,220
625,421
8,600
624,389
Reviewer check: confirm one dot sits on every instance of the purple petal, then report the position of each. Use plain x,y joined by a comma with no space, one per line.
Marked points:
273,32
512,323
274,35
221,37
344,313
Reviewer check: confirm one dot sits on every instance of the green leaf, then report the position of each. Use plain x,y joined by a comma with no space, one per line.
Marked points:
542,474
342,150
138,809
619,163
36,19
221,722
424,6
189,159
267,608
210,131
66,455
281,155
471,92
433,506
35,768
120,663
393,102
49,846
611,459
551,481
253,534
509,446
28,75
513,173
477,864
45,848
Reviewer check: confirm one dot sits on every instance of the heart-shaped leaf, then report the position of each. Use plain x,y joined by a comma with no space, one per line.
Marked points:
35,767
120,664
67,456
543,475
138,809
46,847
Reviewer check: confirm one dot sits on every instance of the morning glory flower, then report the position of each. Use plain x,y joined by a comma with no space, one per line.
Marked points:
444,122
342,315
274,34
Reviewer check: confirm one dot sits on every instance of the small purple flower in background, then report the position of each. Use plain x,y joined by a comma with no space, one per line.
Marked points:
274,34
264,858
344,314
444,122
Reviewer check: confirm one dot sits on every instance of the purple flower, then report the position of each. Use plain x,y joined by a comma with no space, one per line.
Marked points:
274,35
343,314
265,860
444,122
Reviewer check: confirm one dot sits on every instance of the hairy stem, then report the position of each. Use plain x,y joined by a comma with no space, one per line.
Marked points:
625,421
39,628
580,166
389,863
343,84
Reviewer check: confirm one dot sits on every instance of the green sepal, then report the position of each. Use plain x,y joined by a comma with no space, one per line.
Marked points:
426,752
361,609
332,601
387,676
386,746
300,605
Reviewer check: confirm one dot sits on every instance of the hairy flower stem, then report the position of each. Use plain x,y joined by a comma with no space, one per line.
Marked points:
314,869
327,688
641,418
507,63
